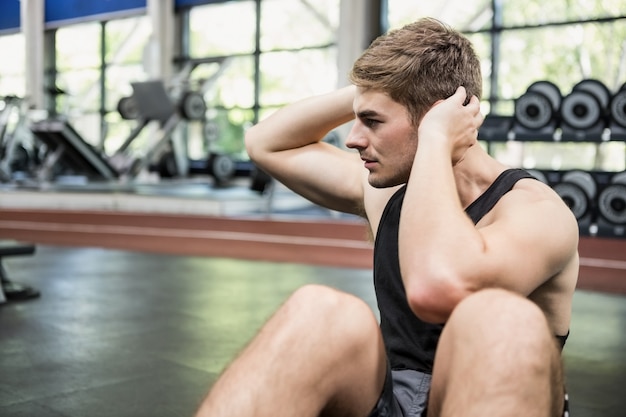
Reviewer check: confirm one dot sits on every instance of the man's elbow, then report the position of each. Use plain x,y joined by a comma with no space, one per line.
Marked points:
433,303
252,143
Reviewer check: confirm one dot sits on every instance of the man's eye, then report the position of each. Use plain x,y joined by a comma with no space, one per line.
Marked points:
370,122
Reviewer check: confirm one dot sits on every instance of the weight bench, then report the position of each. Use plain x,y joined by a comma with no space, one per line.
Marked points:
70,150
10,290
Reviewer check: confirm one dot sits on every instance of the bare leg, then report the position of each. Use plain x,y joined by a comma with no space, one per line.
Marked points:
497,357
320,354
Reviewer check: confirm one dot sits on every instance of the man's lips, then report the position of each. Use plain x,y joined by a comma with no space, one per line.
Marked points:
368,163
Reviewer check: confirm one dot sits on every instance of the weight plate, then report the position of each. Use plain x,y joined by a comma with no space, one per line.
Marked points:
580,110
617,107
582,179
127,108
574,197
193,106
533,110
597,89
619,178
211,131
221,167
612,203
549,90
167,166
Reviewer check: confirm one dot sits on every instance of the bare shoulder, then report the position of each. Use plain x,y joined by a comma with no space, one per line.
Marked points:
538,197
551,233
535,207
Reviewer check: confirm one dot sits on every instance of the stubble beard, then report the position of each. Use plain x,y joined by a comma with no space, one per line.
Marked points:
382,182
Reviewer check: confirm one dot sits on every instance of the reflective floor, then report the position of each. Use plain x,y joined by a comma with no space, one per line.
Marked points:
119,333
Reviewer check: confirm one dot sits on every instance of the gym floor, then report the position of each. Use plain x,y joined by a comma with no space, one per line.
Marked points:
129,333
119,333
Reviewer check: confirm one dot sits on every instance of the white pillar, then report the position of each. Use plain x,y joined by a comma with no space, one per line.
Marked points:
359,22
358,26
32,27
160,48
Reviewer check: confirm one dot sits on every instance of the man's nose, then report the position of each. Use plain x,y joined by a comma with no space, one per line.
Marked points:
356,139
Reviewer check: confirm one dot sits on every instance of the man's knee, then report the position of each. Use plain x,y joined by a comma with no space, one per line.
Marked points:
502,342
502,318
499,305
333,311
512,335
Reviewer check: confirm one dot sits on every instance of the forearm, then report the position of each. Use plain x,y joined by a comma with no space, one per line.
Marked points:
301,123
436,238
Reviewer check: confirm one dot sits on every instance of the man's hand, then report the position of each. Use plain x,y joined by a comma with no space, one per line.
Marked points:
453,123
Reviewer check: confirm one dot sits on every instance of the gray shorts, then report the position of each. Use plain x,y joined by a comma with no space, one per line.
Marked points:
405,394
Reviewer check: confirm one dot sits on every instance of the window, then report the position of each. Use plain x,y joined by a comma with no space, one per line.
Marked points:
78,59
559,11
463,15
295,57
222,29
12,70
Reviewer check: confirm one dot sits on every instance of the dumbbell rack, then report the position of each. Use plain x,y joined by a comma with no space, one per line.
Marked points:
588,114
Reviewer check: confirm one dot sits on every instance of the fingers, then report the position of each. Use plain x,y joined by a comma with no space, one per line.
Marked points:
477,118
474,101
459,95
474,106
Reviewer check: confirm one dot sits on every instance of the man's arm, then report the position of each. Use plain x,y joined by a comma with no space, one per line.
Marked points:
444,257
288,146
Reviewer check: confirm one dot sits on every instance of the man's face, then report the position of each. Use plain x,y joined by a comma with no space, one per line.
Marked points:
384,136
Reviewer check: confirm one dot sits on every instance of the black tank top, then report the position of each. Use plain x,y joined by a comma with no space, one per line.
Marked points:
410,342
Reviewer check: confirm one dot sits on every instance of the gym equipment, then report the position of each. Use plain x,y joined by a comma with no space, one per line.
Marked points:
596,88
192,106
589,113
127,108
584,112
221,167
10,290
69,153
495,128
17,153
149,102
578,190
536,112
617,111
217,165
612,208
261,180
597,199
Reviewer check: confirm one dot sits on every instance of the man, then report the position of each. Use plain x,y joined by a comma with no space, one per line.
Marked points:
475,264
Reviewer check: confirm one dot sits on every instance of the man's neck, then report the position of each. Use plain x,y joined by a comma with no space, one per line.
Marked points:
475,173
